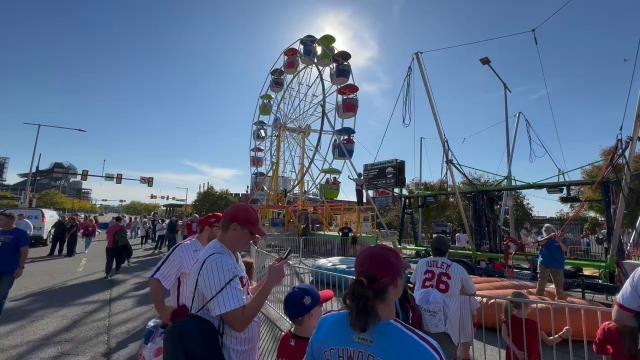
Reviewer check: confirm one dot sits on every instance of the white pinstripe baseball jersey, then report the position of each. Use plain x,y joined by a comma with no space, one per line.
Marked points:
174,269
218,269
451,280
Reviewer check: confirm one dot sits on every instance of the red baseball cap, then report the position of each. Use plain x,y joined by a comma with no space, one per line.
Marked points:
210,220
379,266
245,216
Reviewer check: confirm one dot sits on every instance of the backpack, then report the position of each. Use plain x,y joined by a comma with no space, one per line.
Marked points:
195,338
121,238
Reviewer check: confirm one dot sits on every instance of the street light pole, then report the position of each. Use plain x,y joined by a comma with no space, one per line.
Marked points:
186,197
509,198
27,193
33,156
420,205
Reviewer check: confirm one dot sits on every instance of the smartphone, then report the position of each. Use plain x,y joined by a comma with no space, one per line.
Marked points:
286,254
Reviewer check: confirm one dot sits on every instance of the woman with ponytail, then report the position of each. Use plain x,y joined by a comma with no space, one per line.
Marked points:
367,327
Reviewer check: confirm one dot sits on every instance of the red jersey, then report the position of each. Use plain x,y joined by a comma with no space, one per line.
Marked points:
609,342
111,231
532,337
292,346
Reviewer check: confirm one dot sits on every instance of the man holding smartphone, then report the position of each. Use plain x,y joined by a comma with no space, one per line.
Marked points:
235,311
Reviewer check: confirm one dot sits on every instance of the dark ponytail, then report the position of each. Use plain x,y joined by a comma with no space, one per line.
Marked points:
361,301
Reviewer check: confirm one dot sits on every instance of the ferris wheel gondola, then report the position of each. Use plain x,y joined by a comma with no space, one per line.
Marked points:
304,124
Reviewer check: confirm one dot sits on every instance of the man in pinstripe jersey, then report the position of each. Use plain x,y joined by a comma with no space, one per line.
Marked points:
173,271
234,310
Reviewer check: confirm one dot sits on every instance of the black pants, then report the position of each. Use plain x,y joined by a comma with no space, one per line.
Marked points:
117,255
171,240
72,242
159,243
359,197
143,239
153,235
54,243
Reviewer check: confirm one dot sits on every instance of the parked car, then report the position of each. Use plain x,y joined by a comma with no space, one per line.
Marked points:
42,220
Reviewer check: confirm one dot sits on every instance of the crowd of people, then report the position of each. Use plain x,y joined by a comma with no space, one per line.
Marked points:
214,304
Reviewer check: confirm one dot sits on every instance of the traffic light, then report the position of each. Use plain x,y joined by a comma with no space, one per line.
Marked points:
151,196
173,198
85,175
150,181
118,178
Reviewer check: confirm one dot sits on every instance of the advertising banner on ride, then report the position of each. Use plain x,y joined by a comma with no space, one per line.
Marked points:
387,174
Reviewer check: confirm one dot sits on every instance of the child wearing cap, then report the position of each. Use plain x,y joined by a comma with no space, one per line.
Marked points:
303,306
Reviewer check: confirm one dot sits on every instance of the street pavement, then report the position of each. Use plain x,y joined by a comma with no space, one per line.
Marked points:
64,308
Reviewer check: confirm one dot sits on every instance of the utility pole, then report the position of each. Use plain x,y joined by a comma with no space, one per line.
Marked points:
420,202
445,144
626,180
509,197
33,156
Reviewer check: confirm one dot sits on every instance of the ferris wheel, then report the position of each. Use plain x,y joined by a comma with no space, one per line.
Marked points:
302,133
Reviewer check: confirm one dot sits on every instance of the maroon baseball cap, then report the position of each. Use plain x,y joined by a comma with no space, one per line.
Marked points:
210,220
379,266
245,216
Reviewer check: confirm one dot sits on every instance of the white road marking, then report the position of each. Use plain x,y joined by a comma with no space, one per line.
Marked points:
82,263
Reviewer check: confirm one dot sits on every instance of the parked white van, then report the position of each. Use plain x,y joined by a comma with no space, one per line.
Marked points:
42,220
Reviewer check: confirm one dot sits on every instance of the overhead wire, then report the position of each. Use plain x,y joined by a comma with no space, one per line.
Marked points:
633,73
409,70
546,86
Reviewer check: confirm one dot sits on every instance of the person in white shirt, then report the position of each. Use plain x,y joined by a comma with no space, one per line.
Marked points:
222,272
452,281
174,270
24,224
626,311
462,240
161,231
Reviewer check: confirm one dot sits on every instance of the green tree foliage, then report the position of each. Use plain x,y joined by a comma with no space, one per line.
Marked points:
8,200
445,210
137,208
593,172
212,200
58,201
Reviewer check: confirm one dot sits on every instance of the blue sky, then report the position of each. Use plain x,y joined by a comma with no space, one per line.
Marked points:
168,88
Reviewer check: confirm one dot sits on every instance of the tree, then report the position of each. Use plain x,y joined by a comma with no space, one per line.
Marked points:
137,208
445,210
8,200
593,172
212,200
58,201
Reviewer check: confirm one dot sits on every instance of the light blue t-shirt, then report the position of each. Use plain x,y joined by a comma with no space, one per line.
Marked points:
334,339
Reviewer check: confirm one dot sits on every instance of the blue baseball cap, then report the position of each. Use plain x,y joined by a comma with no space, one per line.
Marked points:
303,298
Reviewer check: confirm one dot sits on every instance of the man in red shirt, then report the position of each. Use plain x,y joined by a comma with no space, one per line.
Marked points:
191,226
303,306
113,249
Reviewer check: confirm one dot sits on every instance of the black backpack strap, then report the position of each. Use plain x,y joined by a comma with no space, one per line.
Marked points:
196,285
165,260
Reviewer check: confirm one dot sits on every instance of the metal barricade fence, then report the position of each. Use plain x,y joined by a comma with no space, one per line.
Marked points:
275,321
550,318
306,247
485,326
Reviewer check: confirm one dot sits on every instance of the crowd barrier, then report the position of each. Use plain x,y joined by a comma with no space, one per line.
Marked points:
307,247
551,317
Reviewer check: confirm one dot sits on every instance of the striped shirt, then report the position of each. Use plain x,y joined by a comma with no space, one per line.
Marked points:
452,281
334,339
217,270
174,270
